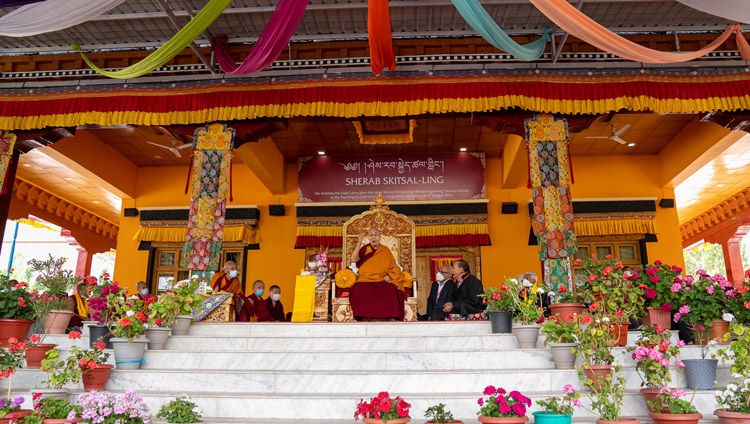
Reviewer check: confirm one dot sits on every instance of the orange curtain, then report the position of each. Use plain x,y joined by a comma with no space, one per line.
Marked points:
437,261
379,31
575,23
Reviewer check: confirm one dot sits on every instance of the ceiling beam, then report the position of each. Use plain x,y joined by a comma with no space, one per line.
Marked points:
177,26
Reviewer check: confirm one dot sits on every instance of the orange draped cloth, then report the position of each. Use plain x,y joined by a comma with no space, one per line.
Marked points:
371,296
381,39
221,282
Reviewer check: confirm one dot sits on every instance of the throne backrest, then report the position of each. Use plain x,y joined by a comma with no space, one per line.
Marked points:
397,230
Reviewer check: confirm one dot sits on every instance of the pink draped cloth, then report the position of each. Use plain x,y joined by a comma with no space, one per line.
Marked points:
575,23
270,44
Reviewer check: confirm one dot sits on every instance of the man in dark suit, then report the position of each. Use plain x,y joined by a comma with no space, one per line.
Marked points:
440,293
466,298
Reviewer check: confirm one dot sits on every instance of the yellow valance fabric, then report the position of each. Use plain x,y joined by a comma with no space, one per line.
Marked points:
232,233
420,230
602,227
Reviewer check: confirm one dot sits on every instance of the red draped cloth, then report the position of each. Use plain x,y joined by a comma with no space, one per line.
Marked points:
370,296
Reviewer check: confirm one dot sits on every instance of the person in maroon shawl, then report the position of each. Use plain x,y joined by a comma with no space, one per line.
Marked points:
228,281
378,292
258,308
274,305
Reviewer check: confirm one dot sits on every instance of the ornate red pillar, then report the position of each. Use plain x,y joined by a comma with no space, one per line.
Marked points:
733,259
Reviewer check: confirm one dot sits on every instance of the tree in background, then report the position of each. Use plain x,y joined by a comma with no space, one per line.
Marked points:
709,256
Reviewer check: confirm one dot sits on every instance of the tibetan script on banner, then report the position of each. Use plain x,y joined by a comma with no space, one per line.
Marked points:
446,176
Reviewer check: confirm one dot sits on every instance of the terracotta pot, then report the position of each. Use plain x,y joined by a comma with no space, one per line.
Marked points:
10,327
96,378
13,416
403,420
662,418
726,417
34,355
597,374
564,311
56,322
622,420
502,420
61,420
658,317
619,331
718,330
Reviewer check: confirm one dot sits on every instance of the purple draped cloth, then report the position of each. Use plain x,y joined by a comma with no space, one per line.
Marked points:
270,44
13,3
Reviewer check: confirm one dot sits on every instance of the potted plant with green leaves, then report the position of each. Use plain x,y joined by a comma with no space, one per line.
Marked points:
502,406
53,410
99,290
606,396
499,304
53,283
734,399
128,344
439,414
383,409
558,409
565,303
670,407
188,300
11,358
562,339
653,354
180,410
161,314
62,371
16,313
595,343
527,310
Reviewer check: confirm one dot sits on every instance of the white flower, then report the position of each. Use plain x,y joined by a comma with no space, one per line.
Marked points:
605,319
539,290
731,387
727,317
130,313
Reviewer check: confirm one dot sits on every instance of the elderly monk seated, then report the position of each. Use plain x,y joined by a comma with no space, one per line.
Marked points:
378,291
228,281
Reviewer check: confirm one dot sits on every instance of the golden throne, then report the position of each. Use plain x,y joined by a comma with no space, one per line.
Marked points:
397,234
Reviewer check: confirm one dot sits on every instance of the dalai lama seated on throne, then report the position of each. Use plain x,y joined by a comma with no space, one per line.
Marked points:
378,292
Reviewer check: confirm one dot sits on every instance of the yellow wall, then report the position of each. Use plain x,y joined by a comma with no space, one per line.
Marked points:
277,262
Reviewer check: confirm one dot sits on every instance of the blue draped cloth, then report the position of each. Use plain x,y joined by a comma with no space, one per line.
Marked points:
481,21
13,3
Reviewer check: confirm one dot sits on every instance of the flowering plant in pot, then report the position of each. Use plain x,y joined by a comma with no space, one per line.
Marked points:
15,303
563,294
62,371
661,285
383,407
98,293
128,316
499,403
605,394
187,297
653,354
11,407
702,299
738,302
735,398
51,407
497,298
670,401
11,358
525,303
558,405
557,331
108,408
595,340
180,410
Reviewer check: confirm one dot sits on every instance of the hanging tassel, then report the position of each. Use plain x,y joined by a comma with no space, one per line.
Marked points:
230,180
190,173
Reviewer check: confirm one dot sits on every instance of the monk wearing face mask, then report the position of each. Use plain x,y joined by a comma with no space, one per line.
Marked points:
259,310
228,281
274,305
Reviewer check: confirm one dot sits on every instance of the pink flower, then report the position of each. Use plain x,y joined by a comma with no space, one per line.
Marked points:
568,389
710,289
489,390
675,288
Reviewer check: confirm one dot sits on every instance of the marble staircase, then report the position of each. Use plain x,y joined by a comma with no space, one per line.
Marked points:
313,373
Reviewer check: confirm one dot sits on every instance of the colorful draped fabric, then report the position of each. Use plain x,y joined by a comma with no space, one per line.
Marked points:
171,48
547,138
477,17
380,35
575,23
7,140
210,180
52,15
270,44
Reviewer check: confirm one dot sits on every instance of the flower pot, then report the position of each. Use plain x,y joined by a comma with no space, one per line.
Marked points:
622,420
157,337
454,422
527,335
502,420
649,395
726,417
34,355
96,379
619,331
501,321
666,418
181,325
129,355
57,321
719,329
565,311
658,317
11,327
546,418
11,417
563,355
597,374
700,373
61,420
402,420
98,332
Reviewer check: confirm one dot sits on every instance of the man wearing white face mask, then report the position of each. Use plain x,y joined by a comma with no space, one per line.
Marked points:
228,281
274,305
440,292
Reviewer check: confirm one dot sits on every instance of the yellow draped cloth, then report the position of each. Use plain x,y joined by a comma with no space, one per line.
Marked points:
81,306
304,298
380,264
219,283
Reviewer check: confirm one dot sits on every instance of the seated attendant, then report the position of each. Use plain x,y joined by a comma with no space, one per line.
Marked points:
142,289
466,298
258,308
274,305
440,293
378,291
228,281
81,309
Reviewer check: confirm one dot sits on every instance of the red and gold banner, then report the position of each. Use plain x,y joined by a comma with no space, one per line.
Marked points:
398,96
7,140
210,181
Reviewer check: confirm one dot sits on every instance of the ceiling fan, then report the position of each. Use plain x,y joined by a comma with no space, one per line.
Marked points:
174,148
615,134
